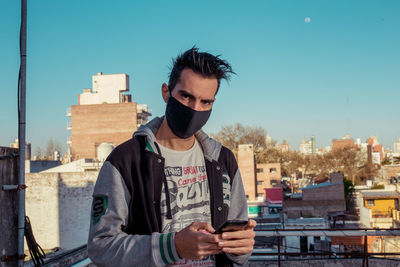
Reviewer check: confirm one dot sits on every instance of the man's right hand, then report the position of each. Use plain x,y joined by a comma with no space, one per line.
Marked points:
193,243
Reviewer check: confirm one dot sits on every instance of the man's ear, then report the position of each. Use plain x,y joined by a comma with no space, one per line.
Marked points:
165,92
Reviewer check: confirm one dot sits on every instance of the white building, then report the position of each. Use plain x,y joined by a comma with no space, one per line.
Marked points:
107,88
396,147
306,147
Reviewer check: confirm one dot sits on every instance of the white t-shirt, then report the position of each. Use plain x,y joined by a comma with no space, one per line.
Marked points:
189,194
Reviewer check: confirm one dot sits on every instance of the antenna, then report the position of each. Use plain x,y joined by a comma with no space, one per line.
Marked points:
348,114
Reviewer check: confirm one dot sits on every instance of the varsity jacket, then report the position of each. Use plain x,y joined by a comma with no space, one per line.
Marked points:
125,225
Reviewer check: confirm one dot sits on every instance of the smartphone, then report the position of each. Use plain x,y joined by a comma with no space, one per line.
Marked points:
231,225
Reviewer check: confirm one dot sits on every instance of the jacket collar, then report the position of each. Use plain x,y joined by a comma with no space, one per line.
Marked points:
211,147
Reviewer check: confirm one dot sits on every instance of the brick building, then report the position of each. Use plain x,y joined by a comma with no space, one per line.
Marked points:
104,114
338,144
257,177
317,200
246,163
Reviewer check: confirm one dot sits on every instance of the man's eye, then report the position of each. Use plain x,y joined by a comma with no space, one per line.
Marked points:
185,96
206,102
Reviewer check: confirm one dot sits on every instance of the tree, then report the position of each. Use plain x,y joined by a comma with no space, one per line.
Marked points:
50,147
348,192
232,136
38,152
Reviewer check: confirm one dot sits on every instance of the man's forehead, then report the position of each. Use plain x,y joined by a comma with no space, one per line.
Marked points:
194,83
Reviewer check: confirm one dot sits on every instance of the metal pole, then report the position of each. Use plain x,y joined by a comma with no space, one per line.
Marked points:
21,134
279,251
365,256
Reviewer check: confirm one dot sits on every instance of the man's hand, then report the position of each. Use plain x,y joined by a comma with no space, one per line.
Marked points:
239,242
195,241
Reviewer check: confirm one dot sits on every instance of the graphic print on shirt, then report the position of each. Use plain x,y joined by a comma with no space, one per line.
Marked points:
189,194
189,197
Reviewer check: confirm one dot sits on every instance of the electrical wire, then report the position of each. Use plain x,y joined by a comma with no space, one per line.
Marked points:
36,251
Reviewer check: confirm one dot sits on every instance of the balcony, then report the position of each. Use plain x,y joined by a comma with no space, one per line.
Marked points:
68,112
69,127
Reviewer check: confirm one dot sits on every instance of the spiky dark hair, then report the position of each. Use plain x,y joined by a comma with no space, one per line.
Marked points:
203,63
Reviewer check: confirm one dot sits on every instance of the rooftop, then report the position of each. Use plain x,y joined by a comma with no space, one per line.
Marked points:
375,194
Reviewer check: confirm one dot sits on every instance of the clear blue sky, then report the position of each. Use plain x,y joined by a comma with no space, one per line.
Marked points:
294,78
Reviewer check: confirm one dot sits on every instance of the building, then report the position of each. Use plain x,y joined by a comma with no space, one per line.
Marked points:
346,141
396,147
305,147
306,243
257,177
247,163
284,147
377,207
377,149
308,147
104,114
317,200
28,149
268,176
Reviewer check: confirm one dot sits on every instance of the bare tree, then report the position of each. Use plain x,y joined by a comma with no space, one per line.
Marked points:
232,136
50,147
38,152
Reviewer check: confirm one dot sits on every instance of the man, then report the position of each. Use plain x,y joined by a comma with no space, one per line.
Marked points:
160,196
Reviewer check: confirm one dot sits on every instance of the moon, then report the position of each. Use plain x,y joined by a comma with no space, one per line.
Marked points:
307,20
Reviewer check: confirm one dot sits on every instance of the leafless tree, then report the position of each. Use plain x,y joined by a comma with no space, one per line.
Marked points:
232,136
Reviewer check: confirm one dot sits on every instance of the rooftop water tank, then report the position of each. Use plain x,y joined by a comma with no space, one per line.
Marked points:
103,150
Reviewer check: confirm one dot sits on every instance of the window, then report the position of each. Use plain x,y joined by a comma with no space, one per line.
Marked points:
274,182
258,170
272,170
260,182
370,202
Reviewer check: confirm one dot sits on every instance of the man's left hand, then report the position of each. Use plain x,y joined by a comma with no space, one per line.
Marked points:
239,242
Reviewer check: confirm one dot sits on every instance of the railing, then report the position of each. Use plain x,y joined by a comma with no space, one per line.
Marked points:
68,112
261,254
382,214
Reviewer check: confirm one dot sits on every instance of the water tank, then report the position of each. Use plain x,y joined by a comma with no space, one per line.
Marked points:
103,150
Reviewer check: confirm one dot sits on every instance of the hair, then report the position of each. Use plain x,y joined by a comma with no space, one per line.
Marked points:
205,64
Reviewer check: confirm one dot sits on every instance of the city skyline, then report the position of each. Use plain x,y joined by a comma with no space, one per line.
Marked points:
304,68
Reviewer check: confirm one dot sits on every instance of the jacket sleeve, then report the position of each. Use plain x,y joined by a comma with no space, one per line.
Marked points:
238,210
108,244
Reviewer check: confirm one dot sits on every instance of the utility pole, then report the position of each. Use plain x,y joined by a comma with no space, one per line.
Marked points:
21,133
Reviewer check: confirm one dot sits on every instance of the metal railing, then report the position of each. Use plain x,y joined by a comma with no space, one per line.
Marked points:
268,254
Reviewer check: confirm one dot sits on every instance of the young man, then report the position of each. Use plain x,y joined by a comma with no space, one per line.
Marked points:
160,195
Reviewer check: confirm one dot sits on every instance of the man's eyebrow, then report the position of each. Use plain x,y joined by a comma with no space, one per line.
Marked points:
184,92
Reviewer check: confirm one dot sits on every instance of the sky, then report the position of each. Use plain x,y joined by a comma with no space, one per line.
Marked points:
304,67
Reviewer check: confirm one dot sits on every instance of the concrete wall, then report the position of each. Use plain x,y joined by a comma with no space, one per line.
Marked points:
58,205
40,165
365,216
330,192
92,125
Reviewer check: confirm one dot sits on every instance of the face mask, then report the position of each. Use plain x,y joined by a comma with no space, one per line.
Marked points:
184,121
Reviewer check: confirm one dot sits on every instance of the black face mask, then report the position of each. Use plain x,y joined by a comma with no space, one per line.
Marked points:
184,121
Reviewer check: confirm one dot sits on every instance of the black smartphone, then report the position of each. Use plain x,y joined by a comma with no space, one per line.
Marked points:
231,225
